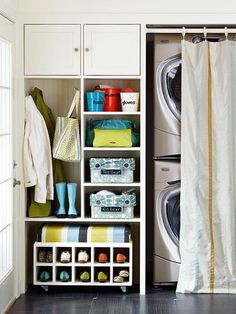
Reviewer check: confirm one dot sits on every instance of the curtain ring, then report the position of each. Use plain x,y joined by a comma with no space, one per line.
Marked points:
226,33
205,33
183,32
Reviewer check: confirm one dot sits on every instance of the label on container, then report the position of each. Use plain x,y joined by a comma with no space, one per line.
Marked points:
111,172
111,209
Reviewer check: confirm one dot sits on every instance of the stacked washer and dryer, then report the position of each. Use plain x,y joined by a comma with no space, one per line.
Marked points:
167,113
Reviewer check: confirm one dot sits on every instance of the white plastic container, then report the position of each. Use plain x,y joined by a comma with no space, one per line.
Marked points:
129,101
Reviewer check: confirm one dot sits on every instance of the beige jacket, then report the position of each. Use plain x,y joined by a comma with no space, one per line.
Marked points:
37,154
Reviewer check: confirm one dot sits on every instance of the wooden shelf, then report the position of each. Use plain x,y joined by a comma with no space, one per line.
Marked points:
96,149
89,184
81,220
109,113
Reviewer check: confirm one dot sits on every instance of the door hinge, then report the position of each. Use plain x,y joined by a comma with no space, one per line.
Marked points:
14,164
16,182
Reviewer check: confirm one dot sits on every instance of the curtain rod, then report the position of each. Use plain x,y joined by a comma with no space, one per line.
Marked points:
197,30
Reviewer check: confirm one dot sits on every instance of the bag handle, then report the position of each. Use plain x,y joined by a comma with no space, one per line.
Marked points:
74,105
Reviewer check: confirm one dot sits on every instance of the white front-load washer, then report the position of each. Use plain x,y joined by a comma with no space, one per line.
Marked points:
166,221
167,107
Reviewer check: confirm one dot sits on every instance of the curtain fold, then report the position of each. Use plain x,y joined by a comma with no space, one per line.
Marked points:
208,168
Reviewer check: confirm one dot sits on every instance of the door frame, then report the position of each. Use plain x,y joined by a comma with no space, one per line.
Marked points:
8,32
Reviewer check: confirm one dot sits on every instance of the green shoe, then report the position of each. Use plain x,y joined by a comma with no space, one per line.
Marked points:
102,276
44,276
64,276
85,276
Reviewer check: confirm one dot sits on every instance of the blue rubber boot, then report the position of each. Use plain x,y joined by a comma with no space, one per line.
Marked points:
61,194
71,189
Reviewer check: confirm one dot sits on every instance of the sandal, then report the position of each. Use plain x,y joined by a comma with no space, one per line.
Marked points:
118,279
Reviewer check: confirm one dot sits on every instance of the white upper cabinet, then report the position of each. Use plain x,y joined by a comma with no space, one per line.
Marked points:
111,49
52,50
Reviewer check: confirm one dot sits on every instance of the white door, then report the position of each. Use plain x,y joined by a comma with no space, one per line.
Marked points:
52,50
7,274
111,49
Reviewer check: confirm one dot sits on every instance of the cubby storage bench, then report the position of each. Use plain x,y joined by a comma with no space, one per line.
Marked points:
96,240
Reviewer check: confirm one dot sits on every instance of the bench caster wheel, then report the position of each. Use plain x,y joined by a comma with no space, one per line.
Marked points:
124,289
45,288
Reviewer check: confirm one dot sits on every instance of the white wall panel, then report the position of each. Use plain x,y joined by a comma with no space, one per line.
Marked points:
131,6
9,8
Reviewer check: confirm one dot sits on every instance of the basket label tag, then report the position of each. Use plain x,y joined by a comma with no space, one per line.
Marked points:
111,209
111,172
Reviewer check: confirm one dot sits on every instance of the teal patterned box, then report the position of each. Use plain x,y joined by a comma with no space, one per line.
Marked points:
113,206
112,170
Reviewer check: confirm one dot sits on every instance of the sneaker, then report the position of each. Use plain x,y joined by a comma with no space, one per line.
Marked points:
64,276
102,277
121,258
102,258
42,256
44,276
65,257
85,276
83,257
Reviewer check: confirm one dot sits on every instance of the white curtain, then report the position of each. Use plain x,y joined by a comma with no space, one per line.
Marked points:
208,168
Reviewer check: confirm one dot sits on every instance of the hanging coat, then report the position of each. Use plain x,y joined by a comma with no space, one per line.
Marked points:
37,154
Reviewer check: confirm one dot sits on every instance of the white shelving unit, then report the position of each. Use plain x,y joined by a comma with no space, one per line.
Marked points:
74,268
58,92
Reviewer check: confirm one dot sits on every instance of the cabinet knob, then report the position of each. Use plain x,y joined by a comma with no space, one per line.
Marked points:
76,49
86,49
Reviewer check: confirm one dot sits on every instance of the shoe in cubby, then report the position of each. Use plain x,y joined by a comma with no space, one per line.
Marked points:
64,255
121,255
44,274
63,274
102,255
83,274
121,274
83,255
102,274
44,255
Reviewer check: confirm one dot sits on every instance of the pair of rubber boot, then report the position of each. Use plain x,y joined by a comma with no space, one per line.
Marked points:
61,189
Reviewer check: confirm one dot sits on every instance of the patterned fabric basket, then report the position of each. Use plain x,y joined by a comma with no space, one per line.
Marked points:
113,206
112,170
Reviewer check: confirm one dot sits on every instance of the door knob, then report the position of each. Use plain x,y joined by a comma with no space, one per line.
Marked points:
86,49
76,49
16,182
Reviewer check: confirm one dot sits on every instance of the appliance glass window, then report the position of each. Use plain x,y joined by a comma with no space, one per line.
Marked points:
173,216
173,83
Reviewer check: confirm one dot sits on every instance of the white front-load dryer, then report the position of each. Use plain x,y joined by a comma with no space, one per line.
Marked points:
167,107
166,221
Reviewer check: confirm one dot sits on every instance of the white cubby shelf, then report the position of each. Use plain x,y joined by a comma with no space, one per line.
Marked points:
74,268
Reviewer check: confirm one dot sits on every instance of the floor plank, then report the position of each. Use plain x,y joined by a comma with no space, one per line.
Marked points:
103,300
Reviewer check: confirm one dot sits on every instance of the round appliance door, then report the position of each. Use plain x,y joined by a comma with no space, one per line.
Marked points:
170,212
169,84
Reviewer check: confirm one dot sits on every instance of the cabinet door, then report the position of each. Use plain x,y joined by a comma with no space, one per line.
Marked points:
52,50
112,50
